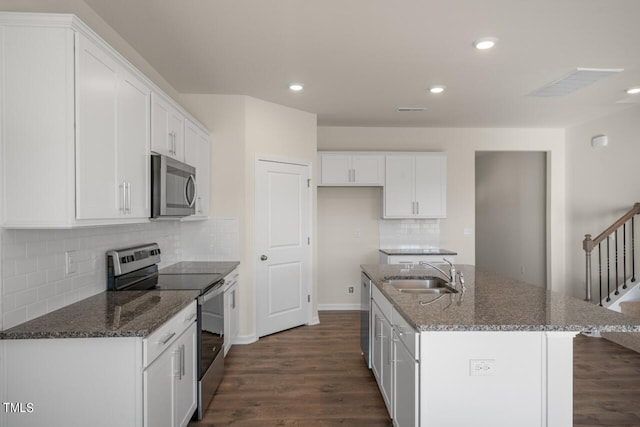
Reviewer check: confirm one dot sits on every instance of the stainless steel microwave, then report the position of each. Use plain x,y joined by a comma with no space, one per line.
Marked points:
173,188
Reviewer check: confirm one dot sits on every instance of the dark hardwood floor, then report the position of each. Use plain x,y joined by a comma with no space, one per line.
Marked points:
315,376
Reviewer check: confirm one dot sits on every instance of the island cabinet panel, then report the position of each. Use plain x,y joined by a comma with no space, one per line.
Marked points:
382,354
497,377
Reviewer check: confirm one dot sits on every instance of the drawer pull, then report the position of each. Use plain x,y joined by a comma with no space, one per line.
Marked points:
190,318
167,339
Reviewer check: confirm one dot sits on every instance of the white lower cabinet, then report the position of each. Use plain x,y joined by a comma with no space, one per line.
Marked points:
170,384
395,362
231,311
382,347
103,382
406,374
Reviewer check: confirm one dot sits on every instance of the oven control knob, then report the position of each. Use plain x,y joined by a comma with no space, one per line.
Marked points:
263,257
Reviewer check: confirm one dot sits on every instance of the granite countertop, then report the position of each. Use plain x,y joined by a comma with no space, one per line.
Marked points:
495,303
109,314
418,251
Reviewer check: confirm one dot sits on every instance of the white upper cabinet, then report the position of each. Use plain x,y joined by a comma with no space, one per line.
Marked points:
197,153
167,128
77,127
112,133
351,169
415,185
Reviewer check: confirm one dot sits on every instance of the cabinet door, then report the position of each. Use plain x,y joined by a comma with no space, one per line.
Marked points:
185,381
158,379
133,144
368,170
381,358
97,189
405,392
335,169
431,186
399,187
197,153
167,128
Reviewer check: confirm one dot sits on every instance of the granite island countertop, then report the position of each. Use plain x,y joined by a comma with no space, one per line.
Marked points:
418,251
493,302
106,315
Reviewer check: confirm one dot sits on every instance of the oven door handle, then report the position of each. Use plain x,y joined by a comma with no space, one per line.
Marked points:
217,290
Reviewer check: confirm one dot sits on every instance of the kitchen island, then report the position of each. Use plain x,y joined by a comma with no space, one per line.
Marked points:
499,353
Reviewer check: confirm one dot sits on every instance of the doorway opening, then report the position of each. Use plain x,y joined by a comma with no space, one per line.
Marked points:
511,214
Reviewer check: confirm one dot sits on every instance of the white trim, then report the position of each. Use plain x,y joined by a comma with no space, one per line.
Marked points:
314,321
327,307
245,339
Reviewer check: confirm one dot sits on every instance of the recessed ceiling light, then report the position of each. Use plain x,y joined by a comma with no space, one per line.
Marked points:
485,43
633,90
296,87
436,89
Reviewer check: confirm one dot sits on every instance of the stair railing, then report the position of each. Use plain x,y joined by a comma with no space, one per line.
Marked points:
611,233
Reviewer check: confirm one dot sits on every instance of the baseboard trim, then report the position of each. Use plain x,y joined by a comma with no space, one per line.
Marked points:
327,307
245,339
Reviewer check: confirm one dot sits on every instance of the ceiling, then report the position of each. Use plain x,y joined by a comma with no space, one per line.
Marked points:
360,60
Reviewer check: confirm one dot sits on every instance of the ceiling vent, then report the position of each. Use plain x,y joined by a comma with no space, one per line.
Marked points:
575,80
410,109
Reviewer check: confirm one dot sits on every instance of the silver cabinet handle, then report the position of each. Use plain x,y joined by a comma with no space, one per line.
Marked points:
418,208
123,208
233,299
182,361
190,318
167,339
129,198
354,175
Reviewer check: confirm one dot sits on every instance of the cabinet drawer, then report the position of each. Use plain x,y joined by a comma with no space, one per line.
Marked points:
407,334
165,335
382,302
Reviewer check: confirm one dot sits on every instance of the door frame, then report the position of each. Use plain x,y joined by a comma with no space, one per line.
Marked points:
256,252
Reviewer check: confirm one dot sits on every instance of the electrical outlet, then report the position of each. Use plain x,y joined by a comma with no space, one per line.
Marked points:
482,367
70,262
350,289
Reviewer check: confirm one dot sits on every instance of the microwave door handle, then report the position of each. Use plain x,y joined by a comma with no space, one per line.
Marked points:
195,191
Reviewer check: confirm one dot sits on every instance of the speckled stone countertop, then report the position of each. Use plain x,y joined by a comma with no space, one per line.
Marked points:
109,314
495,303
418,251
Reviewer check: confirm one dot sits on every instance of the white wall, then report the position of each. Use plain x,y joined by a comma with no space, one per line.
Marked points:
342,211
602,184
97,24
243,128
511,214
461,146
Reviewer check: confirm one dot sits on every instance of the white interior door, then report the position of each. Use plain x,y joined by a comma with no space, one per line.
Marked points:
283,251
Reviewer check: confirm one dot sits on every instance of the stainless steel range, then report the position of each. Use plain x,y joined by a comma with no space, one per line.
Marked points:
136,268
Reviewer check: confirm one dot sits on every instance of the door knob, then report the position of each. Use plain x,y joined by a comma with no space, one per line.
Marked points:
263,258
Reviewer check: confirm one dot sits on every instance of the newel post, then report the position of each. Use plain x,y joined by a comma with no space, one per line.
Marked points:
587,245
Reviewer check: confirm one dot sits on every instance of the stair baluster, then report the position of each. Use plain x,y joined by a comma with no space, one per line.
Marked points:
624,254
615,240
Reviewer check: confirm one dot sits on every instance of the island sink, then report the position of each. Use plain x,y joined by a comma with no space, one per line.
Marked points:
422,285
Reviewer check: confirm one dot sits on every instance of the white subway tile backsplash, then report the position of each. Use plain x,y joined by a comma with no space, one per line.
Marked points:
36,309
25,298
34,279
14,285
409,233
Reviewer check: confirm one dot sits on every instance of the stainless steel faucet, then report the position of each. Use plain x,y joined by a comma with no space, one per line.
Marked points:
451,274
